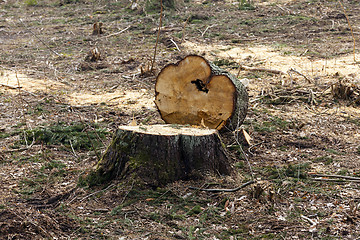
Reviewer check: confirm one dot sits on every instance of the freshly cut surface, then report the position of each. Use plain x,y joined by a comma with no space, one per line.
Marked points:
190,93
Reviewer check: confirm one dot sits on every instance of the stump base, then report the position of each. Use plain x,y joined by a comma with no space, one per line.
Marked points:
160,154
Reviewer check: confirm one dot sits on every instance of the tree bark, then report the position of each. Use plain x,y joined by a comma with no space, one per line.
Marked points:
160,154
197,92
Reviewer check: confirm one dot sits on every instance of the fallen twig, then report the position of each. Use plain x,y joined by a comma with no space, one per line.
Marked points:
73,150
297,72
16,150
334,176
36,36
207,28
183,32
335,180
117,33
18,88
309,220
157,38
351,29
102,190
254,145
242,67
127,193
223,189
175,45
288,11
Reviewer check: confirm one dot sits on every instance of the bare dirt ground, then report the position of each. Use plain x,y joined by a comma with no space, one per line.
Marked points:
58,112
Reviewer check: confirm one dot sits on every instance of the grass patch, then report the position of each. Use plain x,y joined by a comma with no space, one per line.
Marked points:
93,179
75,135
51,172
31,3
329,150
343,172
118,209
226,62
246,5
4,135
179,208
298,171
327,160
29,159
355,121
273,124
153,6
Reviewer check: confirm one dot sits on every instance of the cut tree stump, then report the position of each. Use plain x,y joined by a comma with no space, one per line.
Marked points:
159,154
197,92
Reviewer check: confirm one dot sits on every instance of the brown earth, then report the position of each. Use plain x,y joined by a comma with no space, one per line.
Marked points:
301,122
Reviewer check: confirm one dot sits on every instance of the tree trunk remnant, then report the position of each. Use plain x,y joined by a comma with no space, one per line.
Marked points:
160,154
197,92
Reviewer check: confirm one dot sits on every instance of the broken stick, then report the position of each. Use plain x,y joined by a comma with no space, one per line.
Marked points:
274,71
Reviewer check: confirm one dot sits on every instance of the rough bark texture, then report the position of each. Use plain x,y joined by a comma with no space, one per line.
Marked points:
197,92
160,154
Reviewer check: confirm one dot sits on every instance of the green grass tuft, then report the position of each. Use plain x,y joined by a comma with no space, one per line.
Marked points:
75,135
31,3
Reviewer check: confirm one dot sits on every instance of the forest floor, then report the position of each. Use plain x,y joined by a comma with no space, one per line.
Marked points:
59,110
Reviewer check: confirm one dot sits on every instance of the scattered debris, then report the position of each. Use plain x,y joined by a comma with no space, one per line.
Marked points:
94,55
346,91
244,137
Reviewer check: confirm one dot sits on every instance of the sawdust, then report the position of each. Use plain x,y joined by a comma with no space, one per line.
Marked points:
260,56
272,58
128,101
124,99
11,81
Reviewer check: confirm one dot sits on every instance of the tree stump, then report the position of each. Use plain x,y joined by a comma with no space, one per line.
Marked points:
160,154
197,92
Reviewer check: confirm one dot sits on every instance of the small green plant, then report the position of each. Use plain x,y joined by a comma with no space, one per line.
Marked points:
343,172
246,5
358,150
195,210
225,62
116,210
239,164
155,217
153,6
31,3
53,164
297,170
